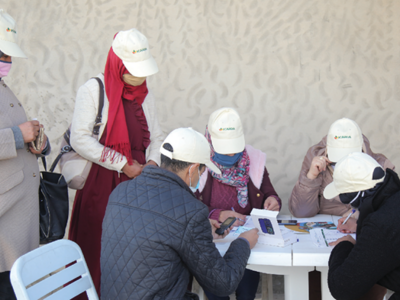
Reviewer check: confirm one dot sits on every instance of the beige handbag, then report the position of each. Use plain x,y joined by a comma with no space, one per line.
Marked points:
74,167
38,143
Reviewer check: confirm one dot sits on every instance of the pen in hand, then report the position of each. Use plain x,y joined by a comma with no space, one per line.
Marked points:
238,218
348,217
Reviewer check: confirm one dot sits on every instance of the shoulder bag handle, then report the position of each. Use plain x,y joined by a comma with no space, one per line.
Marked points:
96,127
97,122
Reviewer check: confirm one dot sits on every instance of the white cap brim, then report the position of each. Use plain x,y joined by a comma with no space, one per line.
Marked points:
213,167
11,49
330,191
336,154
228,146
143,68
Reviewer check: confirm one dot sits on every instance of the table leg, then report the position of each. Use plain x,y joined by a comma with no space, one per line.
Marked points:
296,279
197,289
326,294
296,283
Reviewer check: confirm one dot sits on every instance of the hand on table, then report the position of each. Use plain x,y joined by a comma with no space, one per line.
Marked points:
133,170
342,239
251,236
318,164
271,204
214,226
29,130
349,227
225,214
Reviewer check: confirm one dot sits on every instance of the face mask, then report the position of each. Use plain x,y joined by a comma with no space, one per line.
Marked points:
5,67
354,199
226,160
132,80
194,189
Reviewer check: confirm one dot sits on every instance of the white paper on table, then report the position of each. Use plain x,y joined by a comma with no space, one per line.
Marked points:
236,231
322,237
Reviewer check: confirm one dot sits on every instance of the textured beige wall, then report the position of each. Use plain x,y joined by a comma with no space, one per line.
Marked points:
290,67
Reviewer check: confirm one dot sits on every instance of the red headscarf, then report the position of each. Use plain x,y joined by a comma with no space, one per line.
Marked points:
117,141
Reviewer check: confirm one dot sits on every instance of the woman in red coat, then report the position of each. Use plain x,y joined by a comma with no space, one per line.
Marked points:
129,137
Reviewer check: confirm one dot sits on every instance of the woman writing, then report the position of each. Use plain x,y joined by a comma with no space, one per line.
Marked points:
244,183
129,137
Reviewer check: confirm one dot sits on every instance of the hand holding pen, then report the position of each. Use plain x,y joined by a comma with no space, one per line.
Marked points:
348,217
347,225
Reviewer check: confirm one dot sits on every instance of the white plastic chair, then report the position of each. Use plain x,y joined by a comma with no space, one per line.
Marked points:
42,272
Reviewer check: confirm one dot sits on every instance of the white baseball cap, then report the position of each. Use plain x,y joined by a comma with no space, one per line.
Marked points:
344,137
8,36
353,173
132,47
226,131
189,146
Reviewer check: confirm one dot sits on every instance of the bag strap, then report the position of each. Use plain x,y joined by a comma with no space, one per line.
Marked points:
65,149
44,163
96,128
97,123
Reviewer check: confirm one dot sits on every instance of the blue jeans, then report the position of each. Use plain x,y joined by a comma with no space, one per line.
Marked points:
246,289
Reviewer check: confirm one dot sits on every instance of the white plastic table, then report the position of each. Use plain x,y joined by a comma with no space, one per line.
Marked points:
305,253
293,261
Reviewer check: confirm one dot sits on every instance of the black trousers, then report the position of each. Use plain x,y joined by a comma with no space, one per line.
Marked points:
6,290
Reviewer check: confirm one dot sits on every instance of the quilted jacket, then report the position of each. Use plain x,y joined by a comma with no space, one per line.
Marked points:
155,233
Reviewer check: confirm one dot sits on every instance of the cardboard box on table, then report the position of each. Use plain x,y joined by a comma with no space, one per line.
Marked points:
270,233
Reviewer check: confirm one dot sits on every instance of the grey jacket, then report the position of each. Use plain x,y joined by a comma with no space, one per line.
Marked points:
155,234
19,183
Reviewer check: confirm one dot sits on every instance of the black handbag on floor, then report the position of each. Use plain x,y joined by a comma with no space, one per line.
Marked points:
53,204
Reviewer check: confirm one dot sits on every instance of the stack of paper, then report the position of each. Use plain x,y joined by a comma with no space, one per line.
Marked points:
322,237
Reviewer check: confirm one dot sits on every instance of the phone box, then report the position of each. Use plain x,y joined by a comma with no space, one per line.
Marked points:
270,233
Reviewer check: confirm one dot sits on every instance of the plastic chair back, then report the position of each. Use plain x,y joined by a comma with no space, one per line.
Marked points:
44,272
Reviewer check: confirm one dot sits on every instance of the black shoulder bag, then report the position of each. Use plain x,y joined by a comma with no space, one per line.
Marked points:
53,204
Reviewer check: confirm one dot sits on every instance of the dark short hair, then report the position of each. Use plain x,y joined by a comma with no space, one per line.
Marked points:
174,165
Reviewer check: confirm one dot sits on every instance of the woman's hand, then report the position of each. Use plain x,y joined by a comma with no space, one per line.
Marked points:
151,163
41,148
225,214
29,130
214,226
342,239
318,164
349,227
133,170
44,142
271,204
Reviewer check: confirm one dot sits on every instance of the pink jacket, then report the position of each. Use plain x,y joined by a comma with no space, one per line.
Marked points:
307,198
259,186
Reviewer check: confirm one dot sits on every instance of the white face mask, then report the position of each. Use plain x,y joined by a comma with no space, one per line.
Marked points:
132,80
194,189
5,67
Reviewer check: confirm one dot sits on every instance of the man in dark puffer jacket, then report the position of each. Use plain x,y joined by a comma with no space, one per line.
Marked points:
355,267
155,232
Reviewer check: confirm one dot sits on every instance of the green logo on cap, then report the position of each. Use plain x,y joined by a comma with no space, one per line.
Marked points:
228,128
11,30
138,51
342,137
